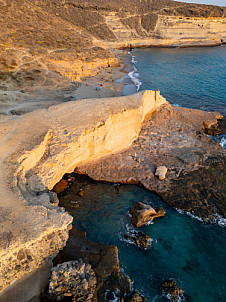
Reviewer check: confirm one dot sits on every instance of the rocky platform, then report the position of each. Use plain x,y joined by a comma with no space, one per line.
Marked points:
173,137
121,139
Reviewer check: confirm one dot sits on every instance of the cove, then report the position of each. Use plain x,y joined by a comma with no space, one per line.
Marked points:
182,248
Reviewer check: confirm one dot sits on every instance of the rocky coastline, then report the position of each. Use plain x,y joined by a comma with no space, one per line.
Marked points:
176,133
48,82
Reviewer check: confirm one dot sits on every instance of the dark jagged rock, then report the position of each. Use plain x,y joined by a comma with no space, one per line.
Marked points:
102,258
143,213
117,283
171,290
200,191
135,297
138,238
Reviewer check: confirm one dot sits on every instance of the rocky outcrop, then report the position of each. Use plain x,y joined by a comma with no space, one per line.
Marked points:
104,262
143,213
35,228
135,297
138,238
196,164
73,279
94,139
171,290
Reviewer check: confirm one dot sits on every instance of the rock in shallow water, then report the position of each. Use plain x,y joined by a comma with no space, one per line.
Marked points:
135,297
60,186
73,279
143,213
138,238
171,290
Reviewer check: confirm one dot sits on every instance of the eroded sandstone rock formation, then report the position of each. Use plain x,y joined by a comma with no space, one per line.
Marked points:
196,164
143,213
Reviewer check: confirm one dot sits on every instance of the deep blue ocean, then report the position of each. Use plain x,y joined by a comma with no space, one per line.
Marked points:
182,247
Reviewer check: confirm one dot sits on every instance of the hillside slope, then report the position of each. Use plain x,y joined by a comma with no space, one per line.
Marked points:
47,42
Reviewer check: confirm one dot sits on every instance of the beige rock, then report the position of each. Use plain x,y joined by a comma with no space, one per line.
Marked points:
143,213
161,172
73,279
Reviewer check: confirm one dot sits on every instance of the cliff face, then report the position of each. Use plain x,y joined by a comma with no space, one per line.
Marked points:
32,159
73,37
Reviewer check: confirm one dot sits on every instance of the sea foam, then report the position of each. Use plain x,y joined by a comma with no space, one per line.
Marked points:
134,75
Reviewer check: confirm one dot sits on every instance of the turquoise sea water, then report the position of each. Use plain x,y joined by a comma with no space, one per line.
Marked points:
188,77
182,248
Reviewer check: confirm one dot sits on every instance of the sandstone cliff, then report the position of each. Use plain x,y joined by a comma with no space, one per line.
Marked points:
34,158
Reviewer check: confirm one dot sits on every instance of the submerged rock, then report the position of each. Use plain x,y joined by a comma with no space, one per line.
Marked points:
138,238
143,213
171,290
73,279
161,172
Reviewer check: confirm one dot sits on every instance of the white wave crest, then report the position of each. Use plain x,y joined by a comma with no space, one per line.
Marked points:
134,75
223,142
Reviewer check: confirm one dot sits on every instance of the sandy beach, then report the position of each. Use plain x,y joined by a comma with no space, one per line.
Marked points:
109,82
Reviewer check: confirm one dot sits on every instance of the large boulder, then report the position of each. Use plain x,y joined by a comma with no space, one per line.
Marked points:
143,213
73,279
161,172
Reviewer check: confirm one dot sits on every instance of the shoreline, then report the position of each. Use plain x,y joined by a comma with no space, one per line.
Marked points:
111,81
85,90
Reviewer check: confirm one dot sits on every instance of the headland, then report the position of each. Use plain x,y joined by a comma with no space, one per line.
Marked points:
43,135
